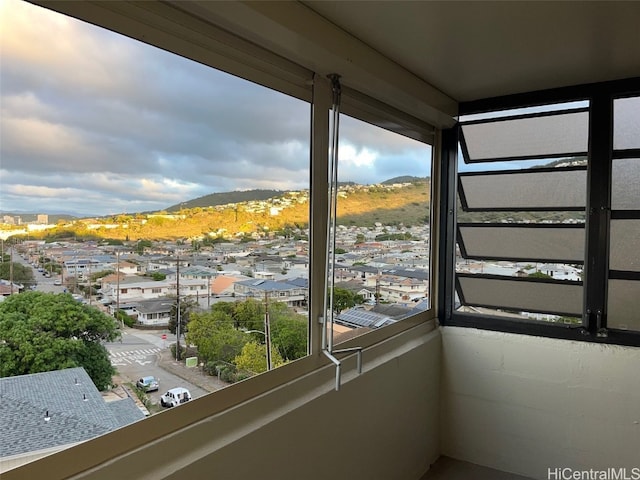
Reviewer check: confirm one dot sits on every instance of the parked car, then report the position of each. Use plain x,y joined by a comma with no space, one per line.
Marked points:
57,282
175,397
148,384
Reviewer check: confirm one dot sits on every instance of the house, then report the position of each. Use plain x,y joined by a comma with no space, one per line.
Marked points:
128,268
155,312
46,412
84,267
7,288
223,284
478,393
269,290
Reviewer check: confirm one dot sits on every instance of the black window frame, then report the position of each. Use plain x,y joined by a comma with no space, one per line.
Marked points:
600,155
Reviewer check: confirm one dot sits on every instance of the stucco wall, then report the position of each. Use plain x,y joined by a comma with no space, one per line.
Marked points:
525,404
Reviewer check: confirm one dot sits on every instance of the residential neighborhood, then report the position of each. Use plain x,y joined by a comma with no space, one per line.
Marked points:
144,284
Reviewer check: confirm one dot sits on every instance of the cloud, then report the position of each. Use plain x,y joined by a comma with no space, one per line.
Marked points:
96,123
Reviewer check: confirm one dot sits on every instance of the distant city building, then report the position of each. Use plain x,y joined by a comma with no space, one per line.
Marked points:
42,218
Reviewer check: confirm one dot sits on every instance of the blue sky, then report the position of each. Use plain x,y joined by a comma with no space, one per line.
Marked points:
94,123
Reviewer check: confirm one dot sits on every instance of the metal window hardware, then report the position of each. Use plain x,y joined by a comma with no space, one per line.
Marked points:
327,319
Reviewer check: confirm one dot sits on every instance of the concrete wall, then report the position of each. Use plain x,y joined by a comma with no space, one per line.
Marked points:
382,424
525,404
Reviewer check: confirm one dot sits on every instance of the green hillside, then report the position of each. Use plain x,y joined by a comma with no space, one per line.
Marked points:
225,198
357,206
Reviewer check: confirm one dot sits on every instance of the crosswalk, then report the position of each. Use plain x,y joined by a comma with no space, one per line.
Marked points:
128,357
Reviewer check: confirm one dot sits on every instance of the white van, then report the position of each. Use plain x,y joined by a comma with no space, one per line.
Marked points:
175,397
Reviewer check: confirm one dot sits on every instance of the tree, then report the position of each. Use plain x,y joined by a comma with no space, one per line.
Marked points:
41,332
289,334
343,299
141,245
539,274
98,275
249,315
215,337
187,305
253,358
21,273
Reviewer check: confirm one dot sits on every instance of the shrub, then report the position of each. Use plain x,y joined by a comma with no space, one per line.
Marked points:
183,351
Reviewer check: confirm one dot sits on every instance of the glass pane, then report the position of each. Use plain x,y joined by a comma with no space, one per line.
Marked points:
170,173
553,190
624,305
382,240
518,295
625,187
534,136
554,107
624,253
559,244
626,123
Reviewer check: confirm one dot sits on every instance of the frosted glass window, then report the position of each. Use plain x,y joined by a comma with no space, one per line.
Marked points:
624,305
563,298
548,135
549,244
625,186
551,190
624,246
626,123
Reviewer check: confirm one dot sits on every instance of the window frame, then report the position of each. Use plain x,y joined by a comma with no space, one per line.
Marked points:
289,78
598,214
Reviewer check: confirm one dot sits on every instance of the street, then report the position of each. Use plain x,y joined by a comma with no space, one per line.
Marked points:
138,355
44,284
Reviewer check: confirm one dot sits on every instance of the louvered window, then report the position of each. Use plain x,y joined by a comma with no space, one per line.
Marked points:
542,228
521,219
624,243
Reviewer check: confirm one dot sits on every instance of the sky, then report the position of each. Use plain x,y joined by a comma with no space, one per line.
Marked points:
94,123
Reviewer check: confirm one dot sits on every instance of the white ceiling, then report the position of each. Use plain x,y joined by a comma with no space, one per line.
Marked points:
473,50
419,57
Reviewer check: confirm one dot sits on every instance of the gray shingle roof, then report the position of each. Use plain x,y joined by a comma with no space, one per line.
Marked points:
126,411
75,407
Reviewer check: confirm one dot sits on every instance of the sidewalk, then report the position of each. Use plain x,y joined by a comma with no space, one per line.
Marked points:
192,375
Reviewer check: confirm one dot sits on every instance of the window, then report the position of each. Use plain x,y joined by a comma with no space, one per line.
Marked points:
152,149
623,300
382,239
521,222
144,130
548,213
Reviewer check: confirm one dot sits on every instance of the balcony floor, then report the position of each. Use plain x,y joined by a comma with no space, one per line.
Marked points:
447,468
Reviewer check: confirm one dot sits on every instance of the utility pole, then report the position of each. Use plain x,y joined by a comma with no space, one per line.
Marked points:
11,269
118,287
89,282
267,333
178,319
